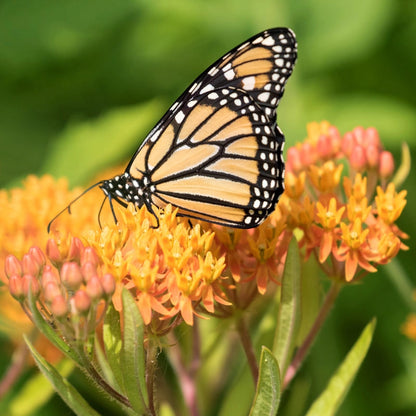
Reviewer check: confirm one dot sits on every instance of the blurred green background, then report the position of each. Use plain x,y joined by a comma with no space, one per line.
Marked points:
82,82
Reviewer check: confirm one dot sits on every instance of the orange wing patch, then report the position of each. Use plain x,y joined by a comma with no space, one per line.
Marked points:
246,169
225,190
194,120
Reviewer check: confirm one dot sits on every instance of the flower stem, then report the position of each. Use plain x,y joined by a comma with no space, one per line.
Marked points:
248,348
150,374
320,319
16,368
187,374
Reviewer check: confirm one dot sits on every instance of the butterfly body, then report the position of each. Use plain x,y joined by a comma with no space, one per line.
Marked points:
216,154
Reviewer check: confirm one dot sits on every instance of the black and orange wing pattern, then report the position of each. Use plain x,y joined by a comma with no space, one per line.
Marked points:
216,154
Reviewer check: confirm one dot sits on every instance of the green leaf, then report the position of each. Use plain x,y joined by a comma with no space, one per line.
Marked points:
133,356
113,342
68,393
289,310
36,392
95,144
330,400
49,333
267,397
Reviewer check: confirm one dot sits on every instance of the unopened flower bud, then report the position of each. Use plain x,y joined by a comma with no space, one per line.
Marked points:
94,288
37,255
71,275
372,155
29,265
347,144
372,138
357,158
76,249
59,307
293,160
50,291
386,165
81,302
90,256
32,284
48,275
307,154
359,135
12,266
88,270
324,147
16,287
52,251
109,284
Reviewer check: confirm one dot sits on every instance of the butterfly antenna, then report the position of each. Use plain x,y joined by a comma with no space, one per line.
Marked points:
68,207
99,212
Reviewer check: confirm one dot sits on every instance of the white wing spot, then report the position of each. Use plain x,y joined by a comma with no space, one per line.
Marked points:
249,82
269,41
207,88
230,74
264,96
179,117
213,96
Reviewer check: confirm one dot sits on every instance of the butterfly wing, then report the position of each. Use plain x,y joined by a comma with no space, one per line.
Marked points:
217,153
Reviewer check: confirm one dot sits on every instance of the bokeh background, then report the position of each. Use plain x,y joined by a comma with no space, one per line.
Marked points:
82,82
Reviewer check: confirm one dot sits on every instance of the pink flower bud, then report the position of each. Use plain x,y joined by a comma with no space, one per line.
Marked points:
76,249
372,138
373,155
347,144
81,302
16,287
94,288
90,256
29,265
37,255
324,147
386,165
109,284
12,266
293,163
359,134
52,251
88,270
50,291
59,307
307,154
335,139
71,275
48,275
30,282
357,158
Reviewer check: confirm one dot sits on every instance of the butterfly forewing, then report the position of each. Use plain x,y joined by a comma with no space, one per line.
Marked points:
217,153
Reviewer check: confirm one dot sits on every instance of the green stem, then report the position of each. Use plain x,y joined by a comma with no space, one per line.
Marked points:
150,374
320,319
248,348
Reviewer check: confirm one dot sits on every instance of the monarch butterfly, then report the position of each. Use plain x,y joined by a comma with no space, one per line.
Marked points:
216,154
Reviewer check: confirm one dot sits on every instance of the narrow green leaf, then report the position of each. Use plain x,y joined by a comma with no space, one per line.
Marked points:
267,397
330,400
289,310
404,169
36,392
67,392
113,342
49,333
133,356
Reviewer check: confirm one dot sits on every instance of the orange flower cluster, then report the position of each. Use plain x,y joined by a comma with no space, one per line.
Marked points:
342,221
338,203
170,270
